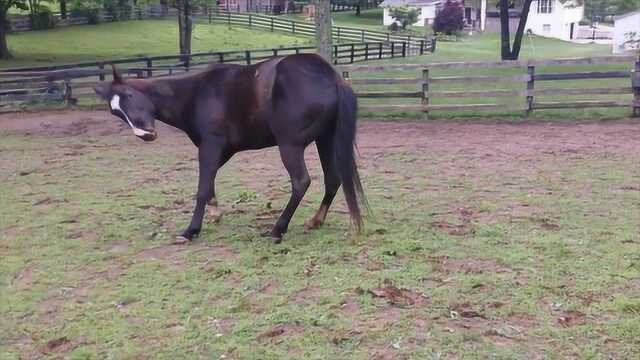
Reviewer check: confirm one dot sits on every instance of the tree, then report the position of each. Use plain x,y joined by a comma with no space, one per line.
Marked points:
63,9
625,6
5,5
185,26
404,15
322,19
507,52
449,20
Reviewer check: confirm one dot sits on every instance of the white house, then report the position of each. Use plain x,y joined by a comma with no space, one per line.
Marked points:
551,18
427,14
624,24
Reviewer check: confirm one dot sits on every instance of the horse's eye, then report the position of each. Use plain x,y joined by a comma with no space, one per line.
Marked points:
129,95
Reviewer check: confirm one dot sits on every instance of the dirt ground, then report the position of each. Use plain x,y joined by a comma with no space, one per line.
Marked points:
483,179
494,143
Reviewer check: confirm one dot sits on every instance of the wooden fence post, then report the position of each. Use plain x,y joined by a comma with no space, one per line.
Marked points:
345,76
275,52
635,83
101,67
531,70
421,47
229,17
404,49
68,92
271,24
366,51
221,58
247,56
362,35
250,22
293,27
425,92
393,49
353,52
338,33
433,44
380,51
149,66
335,54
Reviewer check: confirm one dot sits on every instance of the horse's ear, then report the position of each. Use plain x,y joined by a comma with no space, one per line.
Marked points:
116,75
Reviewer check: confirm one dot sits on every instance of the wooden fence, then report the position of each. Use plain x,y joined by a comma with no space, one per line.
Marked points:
527,88
416,45
72,82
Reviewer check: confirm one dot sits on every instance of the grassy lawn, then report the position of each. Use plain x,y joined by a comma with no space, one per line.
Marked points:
130,38
486,241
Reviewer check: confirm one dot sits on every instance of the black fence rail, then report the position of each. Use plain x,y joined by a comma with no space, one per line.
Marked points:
416,45
71,83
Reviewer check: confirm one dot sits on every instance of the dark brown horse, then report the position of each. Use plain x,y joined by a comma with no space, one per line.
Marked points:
287,102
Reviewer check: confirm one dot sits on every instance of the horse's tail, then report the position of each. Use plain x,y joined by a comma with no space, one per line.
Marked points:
344,149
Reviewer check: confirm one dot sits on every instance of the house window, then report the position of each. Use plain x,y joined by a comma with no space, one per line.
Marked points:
545,6
546,27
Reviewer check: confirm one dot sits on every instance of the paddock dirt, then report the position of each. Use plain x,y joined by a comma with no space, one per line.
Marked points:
456,149
492,143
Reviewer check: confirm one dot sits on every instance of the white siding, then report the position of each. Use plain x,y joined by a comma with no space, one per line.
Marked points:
556,24
622,26
428,13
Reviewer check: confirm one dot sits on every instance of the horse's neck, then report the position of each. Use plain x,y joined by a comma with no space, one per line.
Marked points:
170,97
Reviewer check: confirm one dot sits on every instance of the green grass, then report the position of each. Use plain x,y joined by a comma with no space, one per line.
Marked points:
130,38
86,221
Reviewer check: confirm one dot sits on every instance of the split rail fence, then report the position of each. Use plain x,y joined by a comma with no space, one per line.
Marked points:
70,83
518,85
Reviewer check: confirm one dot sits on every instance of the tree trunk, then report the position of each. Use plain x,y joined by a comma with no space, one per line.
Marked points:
517,42
323,29
185,26
4,25
358,8
63,9
505,41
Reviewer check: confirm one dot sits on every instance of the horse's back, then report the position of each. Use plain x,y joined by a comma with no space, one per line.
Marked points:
304,98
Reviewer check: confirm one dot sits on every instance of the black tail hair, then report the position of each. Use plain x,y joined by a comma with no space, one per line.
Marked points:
344,149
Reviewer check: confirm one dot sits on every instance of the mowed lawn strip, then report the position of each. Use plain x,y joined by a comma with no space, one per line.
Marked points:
133,38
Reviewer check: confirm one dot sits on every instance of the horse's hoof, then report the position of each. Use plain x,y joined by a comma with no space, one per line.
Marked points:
181,240
312,224
274,238
214,214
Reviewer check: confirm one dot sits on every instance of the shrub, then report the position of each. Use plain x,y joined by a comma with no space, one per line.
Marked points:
88,9
43,19
449,20
404,15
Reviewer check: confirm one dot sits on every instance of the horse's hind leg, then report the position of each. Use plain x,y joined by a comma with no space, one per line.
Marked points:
331,181
293,160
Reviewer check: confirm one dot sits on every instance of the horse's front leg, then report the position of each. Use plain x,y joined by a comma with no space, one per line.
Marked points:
209,154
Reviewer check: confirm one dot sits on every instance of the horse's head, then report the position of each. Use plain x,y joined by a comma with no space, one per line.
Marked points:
129,104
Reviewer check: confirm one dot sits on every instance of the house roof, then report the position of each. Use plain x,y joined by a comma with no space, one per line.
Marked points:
392,3
637,12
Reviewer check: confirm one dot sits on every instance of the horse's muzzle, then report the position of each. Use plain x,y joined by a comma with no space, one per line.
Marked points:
148,136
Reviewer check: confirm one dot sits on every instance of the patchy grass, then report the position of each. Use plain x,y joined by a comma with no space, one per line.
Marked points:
132,38
487,240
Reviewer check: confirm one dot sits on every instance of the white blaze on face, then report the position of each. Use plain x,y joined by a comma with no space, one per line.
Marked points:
115,105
